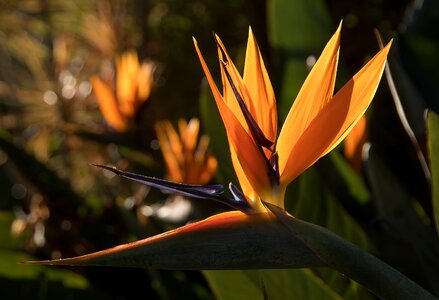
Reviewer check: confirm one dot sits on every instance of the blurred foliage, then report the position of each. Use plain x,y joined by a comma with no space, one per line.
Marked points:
54,204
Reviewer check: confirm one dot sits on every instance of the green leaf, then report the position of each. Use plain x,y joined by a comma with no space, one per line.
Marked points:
7,241
348,259
237,241
311,200
409,105
10,269
409,102
402,222
223,242
232,285
271,284
314,203
419,47
286,22
433,148
39,282
342,180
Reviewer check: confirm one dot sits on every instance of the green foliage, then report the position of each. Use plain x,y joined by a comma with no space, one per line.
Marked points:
401,220
40,282
433,147
268,284
386,209
286,22
309,199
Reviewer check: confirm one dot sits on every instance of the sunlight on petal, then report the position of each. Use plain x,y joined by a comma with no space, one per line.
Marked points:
313,96
261,91
127,69
169,154
107,104
248,155
336,119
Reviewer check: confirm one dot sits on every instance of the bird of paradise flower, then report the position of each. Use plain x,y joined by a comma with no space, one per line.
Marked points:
132,88
244,238
187,160
317,122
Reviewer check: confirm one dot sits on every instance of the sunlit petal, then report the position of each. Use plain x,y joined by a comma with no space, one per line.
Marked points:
127,68
259,86
190,134
313,96
108,104
144,81
239,100
336,119
248,155
228,94
170,157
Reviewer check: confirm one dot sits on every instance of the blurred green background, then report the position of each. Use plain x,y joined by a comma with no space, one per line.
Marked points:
54,204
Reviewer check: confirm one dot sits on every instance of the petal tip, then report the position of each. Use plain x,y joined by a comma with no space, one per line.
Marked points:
340,25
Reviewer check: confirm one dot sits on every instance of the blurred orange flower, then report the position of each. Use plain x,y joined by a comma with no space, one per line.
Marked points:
132,88
354,142
186,162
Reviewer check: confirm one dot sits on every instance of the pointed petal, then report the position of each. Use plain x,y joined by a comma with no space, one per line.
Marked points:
144,81
238,97
206,164
127,68
225,241
108,104
228,94
254,130
313,96
190,135
261,91
248,155
168,152
244,182
337,118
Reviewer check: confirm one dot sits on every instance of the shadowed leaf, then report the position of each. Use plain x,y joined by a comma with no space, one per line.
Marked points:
352,261
276,284
292,48
226,241
401,220
433,147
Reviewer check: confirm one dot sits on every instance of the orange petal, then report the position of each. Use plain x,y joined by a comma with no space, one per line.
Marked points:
190,135
259,86
127,68
337,118
353,144
313,96
252,196
208,170
107,104
168,151
144,81
228,94
248,155
230,98
207,164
